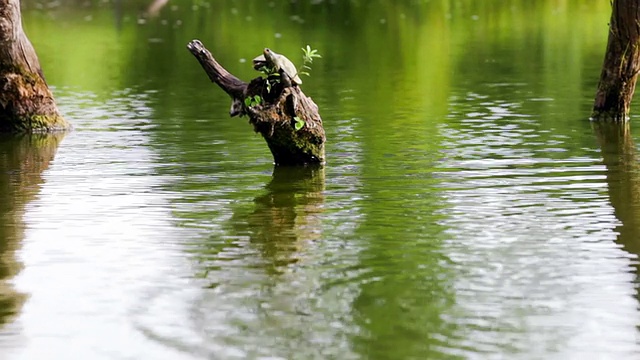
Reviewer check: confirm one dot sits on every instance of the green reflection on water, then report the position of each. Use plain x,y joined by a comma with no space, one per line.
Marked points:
401,306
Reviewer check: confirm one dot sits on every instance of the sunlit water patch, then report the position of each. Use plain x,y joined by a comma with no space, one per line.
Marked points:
98,236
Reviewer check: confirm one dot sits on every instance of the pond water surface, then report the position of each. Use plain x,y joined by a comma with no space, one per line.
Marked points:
468,208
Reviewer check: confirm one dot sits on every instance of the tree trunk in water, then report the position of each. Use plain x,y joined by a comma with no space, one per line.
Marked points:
275,116
621,63
26,103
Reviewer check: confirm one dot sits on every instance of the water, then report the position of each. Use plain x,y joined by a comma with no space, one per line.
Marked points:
467,210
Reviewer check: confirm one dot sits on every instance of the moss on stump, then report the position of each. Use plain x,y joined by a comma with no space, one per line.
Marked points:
276,117
27,105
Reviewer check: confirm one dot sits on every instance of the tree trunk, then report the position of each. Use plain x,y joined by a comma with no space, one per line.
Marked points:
26,103
275,116
621,63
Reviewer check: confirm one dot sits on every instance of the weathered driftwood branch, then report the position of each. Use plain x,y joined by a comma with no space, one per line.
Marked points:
275,116
26,103
621,63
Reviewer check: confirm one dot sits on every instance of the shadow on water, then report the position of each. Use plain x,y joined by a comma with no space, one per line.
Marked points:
22,162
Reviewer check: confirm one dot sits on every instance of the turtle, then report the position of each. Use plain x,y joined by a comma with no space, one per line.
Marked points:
280,64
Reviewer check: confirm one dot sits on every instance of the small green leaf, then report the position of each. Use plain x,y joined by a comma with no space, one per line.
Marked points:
299,123
247,102
258,99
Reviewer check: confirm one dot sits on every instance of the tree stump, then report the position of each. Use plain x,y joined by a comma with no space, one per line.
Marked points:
26,103
275,115
621,63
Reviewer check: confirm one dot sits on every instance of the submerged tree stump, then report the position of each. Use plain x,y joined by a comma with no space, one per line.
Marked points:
26,103
275,115
621,63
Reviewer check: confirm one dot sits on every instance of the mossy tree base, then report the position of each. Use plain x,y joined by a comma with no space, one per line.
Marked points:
276,120
275,116
27,106
26,103
621,64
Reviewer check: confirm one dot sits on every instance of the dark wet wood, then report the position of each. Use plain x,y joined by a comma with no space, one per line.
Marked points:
621,63
26,103
275,117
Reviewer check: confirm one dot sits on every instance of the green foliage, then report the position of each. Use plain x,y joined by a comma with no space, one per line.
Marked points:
269,83
268,71
308,54
253,101
299,123
270,80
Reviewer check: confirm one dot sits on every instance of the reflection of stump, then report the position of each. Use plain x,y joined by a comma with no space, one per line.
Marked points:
22,160
288,216
620,156
26,104
275,116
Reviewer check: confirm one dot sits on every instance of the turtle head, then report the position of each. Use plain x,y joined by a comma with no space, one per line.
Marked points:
269,55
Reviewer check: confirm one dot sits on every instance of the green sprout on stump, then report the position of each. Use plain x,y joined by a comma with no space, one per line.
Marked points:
299,123
308,55
252,101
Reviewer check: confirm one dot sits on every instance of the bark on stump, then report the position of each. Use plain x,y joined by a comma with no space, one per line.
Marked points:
275,117
621,63
26,103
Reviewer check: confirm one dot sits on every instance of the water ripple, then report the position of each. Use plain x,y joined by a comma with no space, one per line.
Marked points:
533,241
